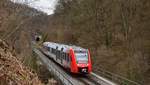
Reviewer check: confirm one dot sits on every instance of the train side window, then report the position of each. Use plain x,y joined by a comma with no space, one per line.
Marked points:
55,52
49,48
63,55
46,48
58,54
62,49
66,57
57,47
52,50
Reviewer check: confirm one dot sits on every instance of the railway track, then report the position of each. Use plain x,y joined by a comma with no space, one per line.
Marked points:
88,81
71,79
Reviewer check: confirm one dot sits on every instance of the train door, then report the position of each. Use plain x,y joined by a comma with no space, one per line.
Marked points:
69,60
61,55
56,53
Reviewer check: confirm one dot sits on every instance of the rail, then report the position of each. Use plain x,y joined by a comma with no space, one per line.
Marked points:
102,80
116,78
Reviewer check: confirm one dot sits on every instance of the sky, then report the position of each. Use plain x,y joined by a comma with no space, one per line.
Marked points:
46,6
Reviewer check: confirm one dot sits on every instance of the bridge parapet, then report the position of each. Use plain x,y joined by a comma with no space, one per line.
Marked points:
116,78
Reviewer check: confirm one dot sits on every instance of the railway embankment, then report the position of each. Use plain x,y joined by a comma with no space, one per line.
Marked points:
14,71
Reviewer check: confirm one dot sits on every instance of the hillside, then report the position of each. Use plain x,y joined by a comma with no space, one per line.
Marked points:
12,71
18,23
21,19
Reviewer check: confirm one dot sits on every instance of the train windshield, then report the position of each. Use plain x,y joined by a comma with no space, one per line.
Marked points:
81,57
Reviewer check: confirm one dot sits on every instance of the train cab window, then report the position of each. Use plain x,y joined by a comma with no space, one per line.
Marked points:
81,57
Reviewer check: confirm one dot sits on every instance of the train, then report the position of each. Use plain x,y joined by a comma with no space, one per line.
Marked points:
73,58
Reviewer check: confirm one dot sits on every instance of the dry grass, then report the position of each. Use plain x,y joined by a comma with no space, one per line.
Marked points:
12,71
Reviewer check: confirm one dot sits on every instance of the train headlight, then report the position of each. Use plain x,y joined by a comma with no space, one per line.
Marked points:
84,70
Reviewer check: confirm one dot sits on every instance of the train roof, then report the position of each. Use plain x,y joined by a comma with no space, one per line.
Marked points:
63,46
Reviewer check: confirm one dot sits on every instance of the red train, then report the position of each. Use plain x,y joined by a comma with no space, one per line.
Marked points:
73,58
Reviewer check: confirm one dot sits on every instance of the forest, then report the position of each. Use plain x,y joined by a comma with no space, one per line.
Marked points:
116,32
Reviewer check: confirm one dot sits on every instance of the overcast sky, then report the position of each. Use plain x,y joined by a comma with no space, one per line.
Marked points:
46,6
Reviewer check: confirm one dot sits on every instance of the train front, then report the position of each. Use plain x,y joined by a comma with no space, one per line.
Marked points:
83,62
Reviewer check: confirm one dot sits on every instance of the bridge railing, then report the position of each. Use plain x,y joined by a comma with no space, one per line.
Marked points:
62,77
52,68
116,78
